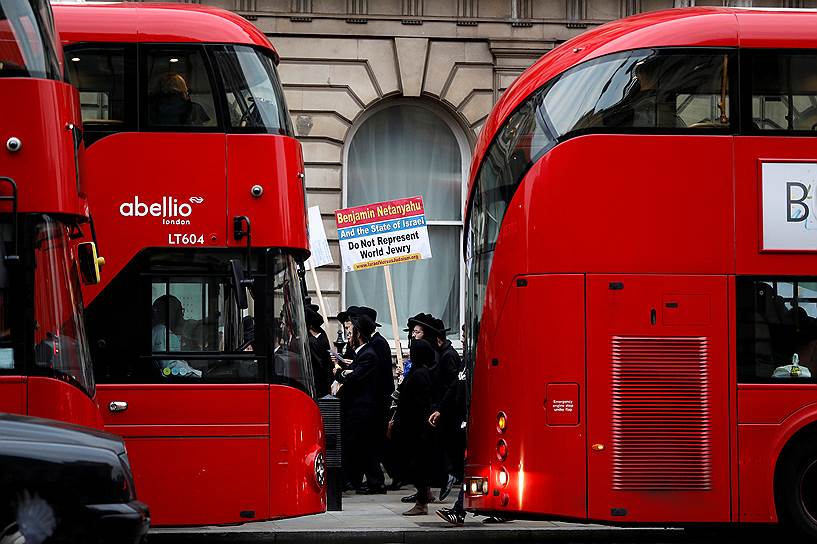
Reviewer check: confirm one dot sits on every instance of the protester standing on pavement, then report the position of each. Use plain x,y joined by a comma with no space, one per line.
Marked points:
444,381
411,429
361,401
318,350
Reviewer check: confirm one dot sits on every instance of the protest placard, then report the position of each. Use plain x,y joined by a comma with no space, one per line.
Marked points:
319,248
383,233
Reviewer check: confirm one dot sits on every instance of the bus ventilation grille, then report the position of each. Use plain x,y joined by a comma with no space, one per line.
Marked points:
661,414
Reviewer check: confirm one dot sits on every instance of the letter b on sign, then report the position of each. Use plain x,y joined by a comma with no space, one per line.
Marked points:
796,208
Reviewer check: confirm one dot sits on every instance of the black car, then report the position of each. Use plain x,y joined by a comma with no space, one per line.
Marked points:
65,483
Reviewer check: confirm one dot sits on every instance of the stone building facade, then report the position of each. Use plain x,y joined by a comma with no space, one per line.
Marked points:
345,61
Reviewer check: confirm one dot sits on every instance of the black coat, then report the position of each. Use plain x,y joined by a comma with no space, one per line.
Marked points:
361,396
411,428
444,373
381,346
321,362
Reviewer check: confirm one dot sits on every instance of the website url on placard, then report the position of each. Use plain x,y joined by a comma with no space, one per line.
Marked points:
384,262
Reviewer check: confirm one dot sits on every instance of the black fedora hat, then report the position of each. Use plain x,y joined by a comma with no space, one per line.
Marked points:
313,318
371,313
424,320
363,323
439,328
343,317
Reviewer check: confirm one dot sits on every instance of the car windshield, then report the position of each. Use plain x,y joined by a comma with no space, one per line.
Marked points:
60,342
27,40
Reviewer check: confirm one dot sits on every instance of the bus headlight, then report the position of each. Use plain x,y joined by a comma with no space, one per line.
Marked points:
502,450
476,486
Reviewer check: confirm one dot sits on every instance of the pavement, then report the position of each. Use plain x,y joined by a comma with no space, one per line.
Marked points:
378,518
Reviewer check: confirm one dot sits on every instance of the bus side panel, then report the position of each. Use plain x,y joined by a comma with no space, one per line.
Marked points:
536,377
750,153
166,188
296,436
768,415
658,413
54,399
278,216
13,394
199,453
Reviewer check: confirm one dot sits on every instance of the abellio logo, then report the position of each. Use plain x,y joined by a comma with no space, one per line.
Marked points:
169,209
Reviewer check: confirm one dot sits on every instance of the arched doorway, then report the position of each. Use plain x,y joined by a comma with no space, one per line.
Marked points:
400,149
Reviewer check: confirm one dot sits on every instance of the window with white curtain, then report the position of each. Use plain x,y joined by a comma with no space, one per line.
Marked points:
399,151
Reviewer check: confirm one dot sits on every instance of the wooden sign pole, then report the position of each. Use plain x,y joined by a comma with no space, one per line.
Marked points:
318,290
394,328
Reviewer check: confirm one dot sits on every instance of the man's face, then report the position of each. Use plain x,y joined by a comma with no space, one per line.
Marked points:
347,330
417,332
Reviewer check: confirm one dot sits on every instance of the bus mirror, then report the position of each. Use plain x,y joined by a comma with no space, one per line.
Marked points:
89,263
239,284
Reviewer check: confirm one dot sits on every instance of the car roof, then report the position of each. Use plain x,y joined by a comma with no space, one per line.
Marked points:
19,428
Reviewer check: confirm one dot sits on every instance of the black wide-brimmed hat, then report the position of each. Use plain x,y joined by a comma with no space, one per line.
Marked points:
364,324
421,353
343,317
313,318
371,313
439,328
424,320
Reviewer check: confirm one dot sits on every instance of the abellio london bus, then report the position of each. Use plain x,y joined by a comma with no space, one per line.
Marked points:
197,331
45,367
642,290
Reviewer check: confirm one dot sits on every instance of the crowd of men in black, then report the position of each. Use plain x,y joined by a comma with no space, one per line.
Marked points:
412,423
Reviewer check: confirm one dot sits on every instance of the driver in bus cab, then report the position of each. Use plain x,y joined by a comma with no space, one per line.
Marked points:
172,104
168,317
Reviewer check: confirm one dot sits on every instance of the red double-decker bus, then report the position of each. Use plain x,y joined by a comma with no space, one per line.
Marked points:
642,294
197,331
45,367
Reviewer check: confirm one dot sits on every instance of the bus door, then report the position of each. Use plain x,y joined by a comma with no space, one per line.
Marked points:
657,420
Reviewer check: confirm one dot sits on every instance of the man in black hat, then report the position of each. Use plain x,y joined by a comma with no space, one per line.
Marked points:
444,379
318,350
361,394
385,372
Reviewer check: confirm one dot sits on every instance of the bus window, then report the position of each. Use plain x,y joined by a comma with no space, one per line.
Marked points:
177,89
784,91
198,321
255,101
100,73
291,363
26,45
777,330
61,347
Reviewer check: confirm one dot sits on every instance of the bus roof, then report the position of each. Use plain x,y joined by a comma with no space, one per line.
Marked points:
690,27
163,23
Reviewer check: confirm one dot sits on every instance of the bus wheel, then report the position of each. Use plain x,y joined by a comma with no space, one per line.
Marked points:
797,490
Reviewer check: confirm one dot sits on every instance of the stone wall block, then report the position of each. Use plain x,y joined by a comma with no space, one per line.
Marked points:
354,75
339,100
477,106
329,279
328,202
319,176
411,63
325,151
465,79
320,124
444,55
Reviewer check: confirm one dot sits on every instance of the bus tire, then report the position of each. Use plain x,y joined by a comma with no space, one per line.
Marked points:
796,493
